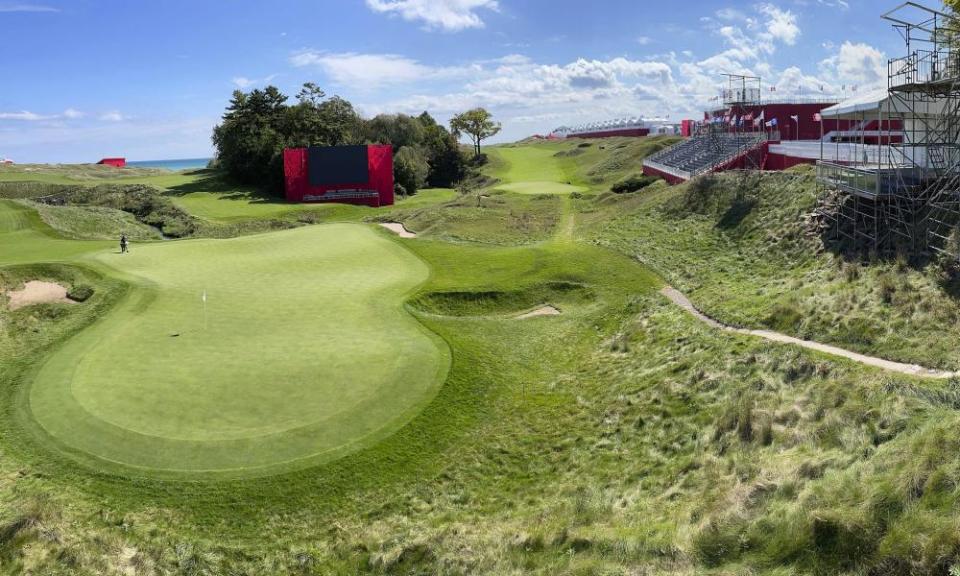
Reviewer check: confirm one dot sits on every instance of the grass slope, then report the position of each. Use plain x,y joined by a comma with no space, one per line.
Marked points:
305,338
621,437
751,262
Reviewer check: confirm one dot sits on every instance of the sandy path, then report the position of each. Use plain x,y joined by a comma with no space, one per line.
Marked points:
547,310
37,292
912,369
398,229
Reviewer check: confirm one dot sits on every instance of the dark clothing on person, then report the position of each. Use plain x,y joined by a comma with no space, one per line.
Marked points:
123,244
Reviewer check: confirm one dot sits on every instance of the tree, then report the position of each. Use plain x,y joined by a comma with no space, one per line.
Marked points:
476,123
249,139
399,130
443,154
257,126
410,169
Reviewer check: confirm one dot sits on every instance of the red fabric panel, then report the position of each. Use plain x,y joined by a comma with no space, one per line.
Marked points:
380,158
379,163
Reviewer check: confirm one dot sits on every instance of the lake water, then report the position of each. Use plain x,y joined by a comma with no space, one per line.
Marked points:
181,164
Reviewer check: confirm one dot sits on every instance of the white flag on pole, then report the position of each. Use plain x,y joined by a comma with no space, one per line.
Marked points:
204,297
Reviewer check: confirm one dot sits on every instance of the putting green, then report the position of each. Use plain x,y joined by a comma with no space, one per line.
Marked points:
532,170
305,352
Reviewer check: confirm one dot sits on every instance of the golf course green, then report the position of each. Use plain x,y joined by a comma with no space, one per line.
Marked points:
244,356
532,170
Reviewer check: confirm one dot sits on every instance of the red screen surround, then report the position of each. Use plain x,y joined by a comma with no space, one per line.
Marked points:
376,191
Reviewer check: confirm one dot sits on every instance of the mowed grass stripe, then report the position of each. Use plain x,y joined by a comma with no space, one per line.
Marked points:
531,170
306,352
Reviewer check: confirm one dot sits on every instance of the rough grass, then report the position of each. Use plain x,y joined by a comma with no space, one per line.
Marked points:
486,217
95,223
622,437
742,250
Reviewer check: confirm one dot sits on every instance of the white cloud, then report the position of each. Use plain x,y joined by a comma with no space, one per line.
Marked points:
449,15
841,4
782,24
73,113
112,116
644,40
857,63
5,7
23,115
365,72
242,82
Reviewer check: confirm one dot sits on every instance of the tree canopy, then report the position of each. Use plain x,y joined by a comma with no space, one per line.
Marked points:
258,125
478,124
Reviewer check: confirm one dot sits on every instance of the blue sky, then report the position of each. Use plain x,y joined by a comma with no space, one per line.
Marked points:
148,80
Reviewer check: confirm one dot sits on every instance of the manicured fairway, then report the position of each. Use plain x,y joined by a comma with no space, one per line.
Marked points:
305,353
25,238
532,170
540,188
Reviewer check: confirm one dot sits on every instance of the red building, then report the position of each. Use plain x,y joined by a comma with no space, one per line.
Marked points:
794,120
115,162
347,174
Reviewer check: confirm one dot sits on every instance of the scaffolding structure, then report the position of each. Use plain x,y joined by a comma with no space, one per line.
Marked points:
892,181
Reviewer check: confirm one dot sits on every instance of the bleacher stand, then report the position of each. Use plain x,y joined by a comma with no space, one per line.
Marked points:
703,153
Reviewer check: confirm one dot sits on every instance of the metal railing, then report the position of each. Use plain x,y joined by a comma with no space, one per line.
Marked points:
924,67
871,181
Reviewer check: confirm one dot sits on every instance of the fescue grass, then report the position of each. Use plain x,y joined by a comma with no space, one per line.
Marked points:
621,437
751,260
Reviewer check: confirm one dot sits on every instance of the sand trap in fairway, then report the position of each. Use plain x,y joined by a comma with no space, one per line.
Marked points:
547,310
398,229
37,292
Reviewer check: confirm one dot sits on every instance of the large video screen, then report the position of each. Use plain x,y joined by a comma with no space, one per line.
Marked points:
332,165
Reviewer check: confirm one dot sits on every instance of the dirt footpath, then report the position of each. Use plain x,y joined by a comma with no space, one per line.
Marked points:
912,369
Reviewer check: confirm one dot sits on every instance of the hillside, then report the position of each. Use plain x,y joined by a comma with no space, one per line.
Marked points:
756,261
621,436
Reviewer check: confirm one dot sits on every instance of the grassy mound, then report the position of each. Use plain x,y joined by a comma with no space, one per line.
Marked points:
485,217
499,302
287,363
624,437
743,250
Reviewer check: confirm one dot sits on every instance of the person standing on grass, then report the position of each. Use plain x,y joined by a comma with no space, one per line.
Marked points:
123,243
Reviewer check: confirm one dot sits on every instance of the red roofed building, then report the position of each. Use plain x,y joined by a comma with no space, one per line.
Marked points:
115,162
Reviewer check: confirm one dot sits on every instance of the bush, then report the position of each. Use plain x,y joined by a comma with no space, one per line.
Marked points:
80,293
410,169
632,184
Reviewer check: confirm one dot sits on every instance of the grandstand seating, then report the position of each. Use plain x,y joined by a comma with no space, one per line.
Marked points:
703,153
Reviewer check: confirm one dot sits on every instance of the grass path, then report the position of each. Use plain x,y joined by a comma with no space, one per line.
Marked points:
532,170
679,299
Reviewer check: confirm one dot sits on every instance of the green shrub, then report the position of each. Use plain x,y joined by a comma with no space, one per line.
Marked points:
80,292
632,184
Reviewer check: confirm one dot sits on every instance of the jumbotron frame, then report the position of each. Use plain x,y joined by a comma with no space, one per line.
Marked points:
895,188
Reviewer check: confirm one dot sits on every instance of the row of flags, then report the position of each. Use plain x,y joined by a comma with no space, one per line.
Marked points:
735,120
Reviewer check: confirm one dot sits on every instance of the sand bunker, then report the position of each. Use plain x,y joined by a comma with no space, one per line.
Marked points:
541,311
398,229
37,292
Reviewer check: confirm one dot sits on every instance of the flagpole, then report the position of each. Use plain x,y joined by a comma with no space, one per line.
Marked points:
204,298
